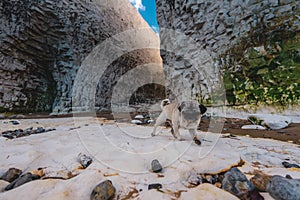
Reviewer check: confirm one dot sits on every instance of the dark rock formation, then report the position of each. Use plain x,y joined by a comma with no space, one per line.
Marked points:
25,178
43,44
252,44
11,174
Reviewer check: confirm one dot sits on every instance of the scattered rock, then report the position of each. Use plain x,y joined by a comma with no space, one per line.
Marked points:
103,191
22,180
154,186
11,174
270,121
237,183
139,117
156,166
40,130
135,121
207,191
21,133
254,127
281,188
289,165
14,122
84,160
288,176
260,181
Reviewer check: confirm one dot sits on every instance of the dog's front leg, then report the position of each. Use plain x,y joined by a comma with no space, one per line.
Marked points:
194,137
160,120
175,131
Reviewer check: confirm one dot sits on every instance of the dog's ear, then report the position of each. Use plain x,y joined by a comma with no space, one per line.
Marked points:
181,107
202,108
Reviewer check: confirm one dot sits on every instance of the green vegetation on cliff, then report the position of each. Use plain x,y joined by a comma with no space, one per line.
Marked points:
267,74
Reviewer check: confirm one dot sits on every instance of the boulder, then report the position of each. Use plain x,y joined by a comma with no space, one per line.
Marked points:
11,174
237,183
281,188
270,121
103,191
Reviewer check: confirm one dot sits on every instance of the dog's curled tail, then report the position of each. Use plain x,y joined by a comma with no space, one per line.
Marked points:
164,103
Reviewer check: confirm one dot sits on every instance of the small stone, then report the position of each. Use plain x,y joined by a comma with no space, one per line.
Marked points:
156,166
84,160
260,181
253,127
40,130
15,122
289,165
22,180
135,121
283,188
288,176
103,191
11,174
154,186
139,117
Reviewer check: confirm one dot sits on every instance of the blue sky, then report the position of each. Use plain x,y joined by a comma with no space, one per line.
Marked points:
147,9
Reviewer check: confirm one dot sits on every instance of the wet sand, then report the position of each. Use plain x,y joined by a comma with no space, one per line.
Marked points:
233,126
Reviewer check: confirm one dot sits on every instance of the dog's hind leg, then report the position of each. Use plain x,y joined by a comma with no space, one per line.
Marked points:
194,137
160,120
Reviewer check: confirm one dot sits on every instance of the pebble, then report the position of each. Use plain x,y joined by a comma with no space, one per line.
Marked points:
290,165
84,160
156,166
103,191
139,117
154,186
14,122
135,121
11,174
281,188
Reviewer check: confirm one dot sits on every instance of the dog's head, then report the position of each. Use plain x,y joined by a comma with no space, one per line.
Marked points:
191,112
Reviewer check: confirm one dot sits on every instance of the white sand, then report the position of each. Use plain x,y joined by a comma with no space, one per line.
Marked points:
123,153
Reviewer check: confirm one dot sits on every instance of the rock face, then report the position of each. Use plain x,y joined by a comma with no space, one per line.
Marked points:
252,44
43,43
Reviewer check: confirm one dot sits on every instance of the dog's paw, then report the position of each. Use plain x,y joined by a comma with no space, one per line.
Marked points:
152,134
180,139
197,141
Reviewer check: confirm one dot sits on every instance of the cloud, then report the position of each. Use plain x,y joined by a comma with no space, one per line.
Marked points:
138,4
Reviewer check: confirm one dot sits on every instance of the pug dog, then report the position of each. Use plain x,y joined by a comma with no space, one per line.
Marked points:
186,114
